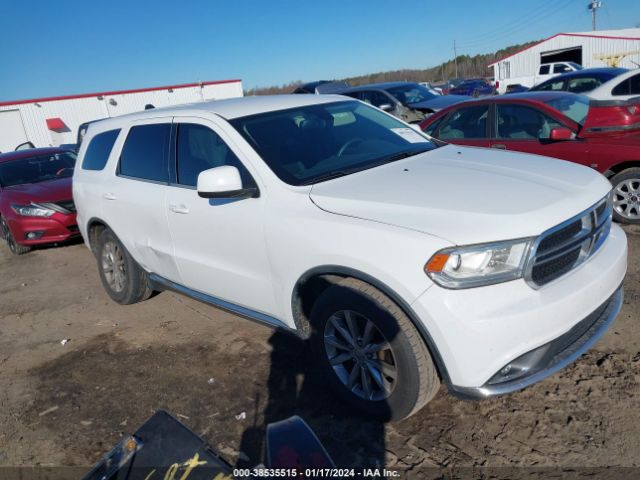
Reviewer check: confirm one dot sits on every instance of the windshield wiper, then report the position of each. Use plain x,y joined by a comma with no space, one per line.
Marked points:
400,156
330,176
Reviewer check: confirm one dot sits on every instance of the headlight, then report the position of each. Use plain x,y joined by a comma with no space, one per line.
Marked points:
479,265
33,210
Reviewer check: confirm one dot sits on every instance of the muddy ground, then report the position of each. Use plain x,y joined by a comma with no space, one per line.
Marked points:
69,404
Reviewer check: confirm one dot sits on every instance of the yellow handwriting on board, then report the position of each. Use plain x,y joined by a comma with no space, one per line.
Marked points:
189,465
222,476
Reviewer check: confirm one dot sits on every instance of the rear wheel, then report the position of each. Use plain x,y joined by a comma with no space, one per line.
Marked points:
626,196
370,352
14,246
121,276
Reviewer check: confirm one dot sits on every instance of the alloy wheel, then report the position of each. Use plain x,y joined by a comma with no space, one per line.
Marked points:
626,198
113,266
360,355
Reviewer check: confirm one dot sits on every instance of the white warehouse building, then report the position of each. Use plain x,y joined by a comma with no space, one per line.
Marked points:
54,121
601,48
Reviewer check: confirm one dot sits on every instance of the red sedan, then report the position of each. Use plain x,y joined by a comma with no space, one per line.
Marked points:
36,203
602,135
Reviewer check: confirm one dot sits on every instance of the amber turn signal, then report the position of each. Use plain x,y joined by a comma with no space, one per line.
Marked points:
437,263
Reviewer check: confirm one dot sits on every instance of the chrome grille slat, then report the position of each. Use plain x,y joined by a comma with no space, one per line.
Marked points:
561,249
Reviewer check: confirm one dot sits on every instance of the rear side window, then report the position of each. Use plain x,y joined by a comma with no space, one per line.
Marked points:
99,149
561,68
145,153
631,86
544,70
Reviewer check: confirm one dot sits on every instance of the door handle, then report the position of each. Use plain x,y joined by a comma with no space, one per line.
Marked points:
179,209
108,196
500,146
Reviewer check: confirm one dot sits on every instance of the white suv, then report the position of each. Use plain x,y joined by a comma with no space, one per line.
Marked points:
405,263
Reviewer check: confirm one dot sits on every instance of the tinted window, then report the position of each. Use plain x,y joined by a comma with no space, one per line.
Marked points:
98,151
517,122
144,154
630,86
585,84
375,98
312,143
199,149
411,93
465,123
550,85
433,127
575,107
544,69
37,169
561,68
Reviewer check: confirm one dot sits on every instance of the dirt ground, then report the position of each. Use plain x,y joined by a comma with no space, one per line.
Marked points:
69,404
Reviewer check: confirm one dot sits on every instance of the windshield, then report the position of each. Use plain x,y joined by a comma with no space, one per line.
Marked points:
36,169
575,107
411,93
313,143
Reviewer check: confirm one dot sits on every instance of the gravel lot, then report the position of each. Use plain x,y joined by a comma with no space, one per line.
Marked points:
69,404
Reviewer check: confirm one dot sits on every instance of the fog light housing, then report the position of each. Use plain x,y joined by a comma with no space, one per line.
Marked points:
524,365
34,235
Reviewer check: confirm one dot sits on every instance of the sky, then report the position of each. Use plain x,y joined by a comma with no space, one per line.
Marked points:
70,47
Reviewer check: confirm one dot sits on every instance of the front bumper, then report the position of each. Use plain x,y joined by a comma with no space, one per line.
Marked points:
559,353
479,331
39,230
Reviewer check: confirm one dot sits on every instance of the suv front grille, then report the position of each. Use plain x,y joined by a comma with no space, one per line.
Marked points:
563,248
67,205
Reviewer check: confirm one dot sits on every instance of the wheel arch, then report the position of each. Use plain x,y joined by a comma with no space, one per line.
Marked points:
314,281
95,226
620,167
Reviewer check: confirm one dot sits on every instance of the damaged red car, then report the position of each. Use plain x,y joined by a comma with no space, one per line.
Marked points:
36,203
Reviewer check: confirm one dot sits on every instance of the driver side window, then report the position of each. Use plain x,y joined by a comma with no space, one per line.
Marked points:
375,98
199,148
465,123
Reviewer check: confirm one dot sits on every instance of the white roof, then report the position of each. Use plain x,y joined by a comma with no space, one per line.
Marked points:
233,107
621,33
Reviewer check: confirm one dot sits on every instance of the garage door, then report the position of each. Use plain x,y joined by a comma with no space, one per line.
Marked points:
12,131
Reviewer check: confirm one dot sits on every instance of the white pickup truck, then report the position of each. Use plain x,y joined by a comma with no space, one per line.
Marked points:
544,72
403,262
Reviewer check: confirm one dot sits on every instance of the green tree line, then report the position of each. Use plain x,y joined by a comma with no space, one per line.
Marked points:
468,67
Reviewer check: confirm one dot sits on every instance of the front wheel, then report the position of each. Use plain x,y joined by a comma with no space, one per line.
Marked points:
370,352
14,246
121,276
626,196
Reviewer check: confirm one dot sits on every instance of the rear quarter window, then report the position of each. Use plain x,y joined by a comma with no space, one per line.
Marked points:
99,149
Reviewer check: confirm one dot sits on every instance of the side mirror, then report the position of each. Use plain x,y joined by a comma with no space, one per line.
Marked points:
223,182
559,134
387,107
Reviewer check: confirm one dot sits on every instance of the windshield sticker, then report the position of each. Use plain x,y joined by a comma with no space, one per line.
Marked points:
410,135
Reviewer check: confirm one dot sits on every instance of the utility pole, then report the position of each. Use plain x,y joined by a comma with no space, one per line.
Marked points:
593,6
455,57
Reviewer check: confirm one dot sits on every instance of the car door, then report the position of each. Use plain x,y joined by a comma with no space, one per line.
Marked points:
465,126
523,128
219,244
133,199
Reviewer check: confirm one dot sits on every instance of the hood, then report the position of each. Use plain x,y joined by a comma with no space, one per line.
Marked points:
49,191
466,195
442,101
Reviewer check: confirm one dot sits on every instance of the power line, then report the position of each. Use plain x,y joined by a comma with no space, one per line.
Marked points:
523,24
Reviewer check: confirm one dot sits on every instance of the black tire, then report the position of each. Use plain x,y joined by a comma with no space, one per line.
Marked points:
628,212
14,246
416,380
122,278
